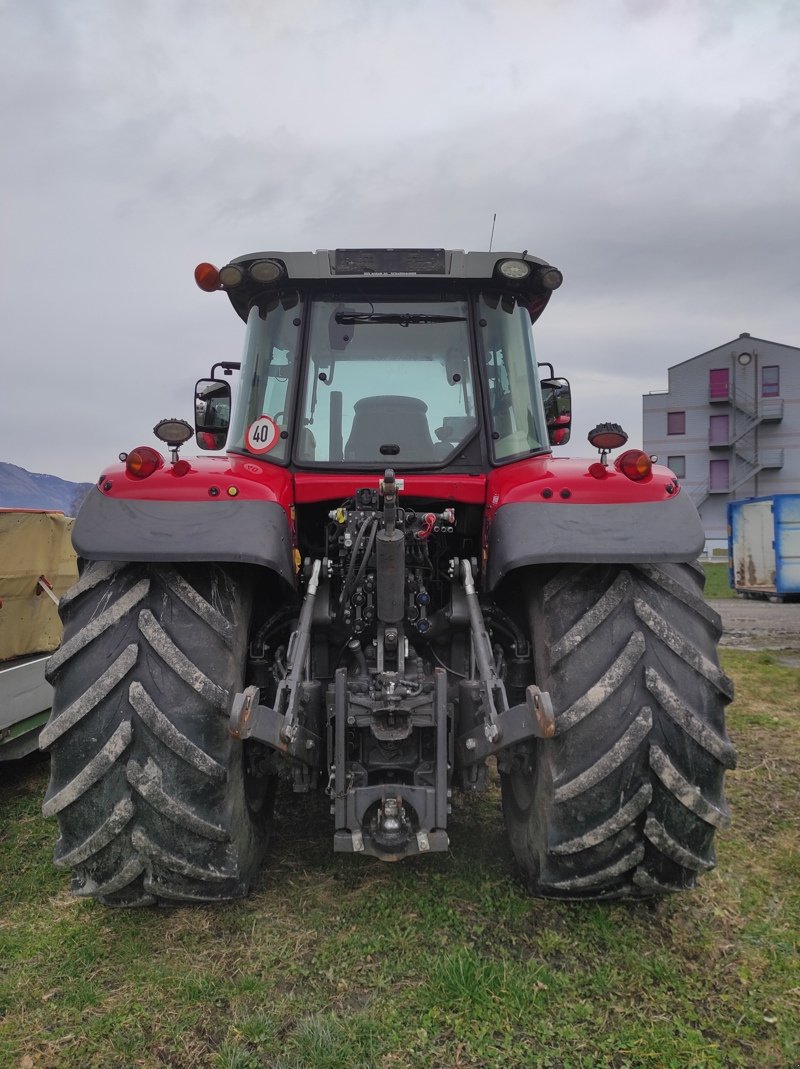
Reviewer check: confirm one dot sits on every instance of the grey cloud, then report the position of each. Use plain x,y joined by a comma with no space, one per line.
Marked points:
652,155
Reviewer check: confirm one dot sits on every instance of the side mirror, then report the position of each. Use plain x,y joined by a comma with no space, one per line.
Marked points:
557,398
212,413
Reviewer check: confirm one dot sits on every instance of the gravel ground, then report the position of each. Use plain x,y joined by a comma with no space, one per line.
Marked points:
760,625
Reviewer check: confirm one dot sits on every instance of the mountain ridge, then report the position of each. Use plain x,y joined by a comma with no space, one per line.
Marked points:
23,489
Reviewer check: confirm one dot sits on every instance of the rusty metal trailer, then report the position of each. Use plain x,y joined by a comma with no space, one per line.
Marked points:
764,546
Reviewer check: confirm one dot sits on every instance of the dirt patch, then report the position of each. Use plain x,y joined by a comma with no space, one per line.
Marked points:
760,625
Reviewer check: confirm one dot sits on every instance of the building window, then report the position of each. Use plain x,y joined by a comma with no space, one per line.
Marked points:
718,383
719,429
771,381
676,423
719,475
678,465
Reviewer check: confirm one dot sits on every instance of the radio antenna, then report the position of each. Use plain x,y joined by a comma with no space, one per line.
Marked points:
491,239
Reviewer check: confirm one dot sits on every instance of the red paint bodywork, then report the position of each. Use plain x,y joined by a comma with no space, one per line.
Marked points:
255,480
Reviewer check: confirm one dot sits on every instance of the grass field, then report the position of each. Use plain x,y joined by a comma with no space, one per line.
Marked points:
717,581
340,962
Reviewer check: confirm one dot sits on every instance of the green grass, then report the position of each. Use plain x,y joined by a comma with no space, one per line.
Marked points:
717,581
443,962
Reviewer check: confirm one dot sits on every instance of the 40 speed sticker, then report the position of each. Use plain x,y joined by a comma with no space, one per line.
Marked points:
262,435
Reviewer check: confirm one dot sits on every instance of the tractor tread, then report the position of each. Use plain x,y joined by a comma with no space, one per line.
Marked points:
689,720
624,816
658,835
168,859
591,620
96,627
180,664
694,601
680,645
92,697
617,755
92,771
602,877
84,886
101,572
651,885
687,793
175,582
110,828
163,728
605,687
149,783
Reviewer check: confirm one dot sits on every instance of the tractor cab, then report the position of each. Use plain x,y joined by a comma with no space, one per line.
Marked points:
421,359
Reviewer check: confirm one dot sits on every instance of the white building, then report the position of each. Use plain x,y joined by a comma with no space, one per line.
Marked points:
729,426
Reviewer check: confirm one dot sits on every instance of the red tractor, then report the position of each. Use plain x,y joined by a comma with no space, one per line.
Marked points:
385,581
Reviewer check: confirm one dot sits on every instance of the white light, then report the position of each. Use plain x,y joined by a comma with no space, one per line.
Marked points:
173,431
265,271
515,269
551,278
231,275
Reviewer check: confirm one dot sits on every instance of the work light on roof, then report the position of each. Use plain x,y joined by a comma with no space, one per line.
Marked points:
265,271
231,275
551,278
515,270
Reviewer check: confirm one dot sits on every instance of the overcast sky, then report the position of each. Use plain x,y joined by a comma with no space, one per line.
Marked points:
651,150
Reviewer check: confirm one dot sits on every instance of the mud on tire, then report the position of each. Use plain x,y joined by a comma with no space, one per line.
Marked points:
625,800
152,795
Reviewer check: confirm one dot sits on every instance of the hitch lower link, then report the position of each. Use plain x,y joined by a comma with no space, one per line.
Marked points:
280,727
503,725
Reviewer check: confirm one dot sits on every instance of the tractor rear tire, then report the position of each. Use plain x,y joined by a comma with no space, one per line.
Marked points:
156,802
625,799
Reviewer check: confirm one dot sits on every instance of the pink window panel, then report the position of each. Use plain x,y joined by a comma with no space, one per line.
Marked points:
718,430
719,475
718,382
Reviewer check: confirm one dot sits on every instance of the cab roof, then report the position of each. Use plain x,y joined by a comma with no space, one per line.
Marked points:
393,265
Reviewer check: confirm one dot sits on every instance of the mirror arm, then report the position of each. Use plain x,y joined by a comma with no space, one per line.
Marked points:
228,367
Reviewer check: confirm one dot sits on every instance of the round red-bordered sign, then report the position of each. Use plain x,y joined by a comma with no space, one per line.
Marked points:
262,435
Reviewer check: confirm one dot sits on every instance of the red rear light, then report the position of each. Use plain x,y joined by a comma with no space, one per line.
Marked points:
634,464
143,461
207,277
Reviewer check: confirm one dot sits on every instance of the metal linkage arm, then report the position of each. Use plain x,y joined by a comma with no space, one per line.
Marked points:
503,726
280,727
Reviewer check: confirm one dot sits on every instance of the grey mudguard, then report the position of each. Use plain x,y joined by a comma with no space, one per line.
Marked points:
554,532
251,532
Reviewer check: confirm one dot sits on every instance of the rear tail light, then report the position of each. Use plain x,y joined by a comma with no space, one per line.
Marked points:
634,464
143,461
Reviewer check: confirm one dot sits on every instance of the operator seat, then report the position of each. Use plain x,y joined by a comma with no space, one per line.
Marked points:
389,420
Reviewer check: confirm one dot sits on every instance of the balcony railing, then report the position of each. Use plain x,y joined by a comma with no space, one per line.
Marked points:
757,408
766,458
